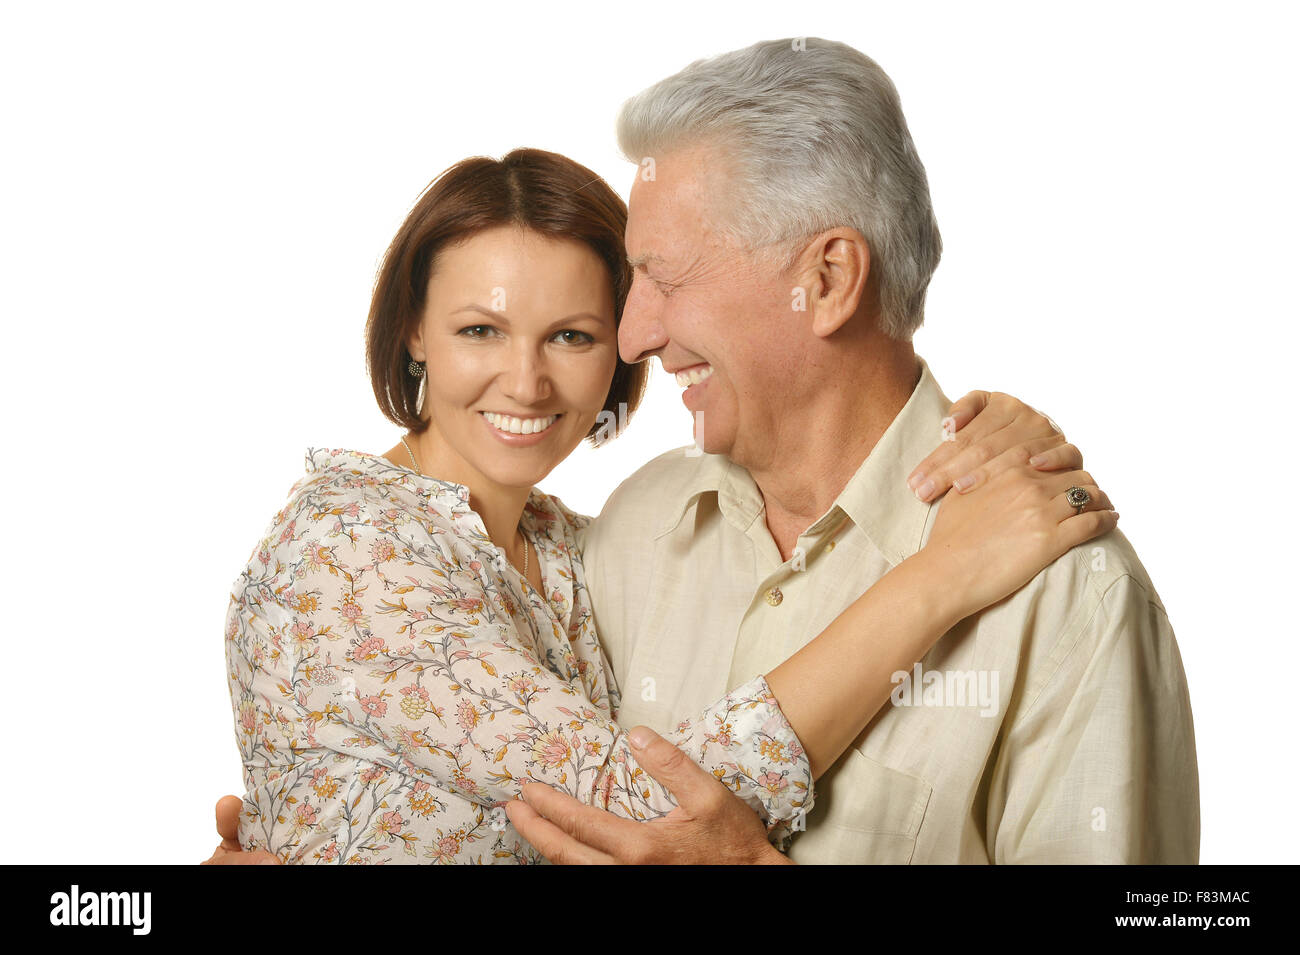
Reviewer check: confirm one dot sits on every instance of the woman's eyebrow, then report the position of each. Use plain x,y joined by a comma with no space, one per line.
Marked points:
473,307
502,317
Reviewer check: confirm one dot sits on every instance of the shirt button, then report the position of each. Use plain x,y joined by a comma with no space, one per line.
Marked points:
830,547
774,596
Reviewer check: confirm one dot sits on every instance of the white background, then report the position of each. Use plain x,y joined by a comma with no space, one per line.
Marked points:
195,199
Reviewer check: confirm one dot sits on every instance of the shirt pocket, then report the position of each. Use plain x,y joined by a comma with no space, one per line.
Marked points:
868,814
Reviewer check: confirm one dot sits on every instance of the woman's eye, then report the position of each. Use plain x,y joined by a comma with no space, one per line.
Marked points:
583,338
472,328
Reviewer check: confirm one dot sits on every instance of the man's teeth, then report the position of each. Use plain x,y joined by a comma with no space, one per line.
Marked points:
693,376
519,425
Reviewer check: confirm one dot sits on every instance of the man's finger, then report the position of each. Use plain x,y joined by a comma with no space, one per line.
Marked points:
230,852
601,830
228,809
694,789
549,839
223,856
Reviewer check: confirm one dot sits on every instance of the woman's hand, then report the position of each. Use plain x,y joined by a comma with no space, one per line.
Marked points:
991,542
985,432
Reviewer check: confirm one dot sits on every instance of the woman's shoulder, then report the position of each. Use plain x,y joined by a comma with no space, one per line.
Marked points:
347,482
354,517
356,494
549,511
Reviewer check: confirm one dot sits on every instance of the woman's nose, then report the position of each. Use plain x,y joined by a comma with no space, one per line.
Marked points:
527,380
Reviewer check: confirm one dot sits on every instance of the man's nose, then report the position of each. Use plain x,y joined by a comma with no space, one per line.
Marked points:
527,380
640,331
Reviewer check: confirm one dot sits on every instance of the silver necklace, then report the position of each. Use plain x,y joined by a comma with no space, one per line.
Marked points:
421,473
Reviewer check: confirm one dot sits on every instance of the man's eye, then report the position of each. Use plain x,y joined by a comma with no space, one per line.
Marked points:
665,287
584,339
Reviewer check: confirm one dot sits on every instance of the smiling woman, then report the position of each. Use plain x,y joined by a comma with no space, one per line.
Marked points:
398,664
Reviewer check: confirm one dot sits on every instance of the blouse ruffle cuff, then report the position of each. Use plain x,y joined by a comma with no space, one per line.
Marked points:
756,754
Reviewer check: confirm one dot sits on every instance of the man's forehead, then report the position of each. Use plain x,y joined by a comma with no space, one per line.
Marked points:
647,237
659,222
672,208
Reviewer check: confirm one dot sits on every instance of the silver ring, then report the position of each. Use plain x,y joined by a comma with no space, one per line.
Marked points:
1078,498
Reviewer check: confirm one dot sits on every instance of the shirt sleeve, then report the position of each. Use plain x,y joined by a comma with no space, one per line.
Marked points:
430,680
1101,767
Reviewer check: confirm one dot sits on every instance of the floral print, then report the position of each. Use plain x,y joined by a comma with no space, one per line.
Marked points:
395,680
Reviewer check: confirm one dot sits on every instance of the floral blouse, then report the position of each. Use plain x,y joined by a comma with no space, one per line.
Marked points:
395,680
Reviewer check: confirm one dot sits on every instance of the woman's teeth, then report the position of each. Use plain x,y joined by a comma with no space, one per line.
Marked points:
519,425
693,376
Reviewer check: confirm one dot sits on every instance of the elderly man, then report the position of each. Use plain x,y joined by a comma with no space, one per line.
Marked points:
781,230
782,233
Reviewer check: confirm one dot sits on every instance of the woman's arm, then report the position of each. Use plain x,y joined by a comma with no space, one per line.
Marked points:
984,546
433,680
832,687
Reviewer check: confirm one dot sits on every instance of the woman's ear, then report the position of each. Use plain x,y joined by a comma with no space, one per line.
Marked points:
415,343
839,272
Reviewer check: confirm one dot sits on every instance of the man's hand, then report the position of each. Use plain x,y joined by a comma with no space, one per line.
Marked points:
228,852
985,432
710,826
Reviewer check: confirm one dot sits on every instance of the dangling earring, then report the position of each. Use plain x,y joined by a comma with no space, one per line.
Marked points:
417,370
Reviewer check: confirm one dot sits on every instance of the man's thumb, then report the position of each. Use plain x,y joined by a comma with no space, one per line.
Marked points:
678,773
228,808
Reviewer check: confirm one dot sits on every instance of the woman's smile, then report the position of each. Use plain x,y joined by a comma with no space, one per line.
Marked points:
519,432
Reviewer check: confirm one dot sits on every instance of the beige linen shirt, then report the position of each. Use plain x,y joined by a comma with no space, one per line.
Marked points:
1053,727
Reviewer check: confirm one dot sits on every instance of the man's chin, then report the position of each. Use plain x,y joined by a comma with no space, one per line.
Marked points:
709,444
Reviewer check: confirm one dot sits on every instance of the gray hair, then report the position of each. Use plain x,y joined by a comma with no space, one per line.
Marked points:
817,138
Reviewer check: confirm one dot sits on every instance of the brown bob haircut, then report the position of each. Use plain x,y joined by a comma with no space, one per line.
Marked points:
542,191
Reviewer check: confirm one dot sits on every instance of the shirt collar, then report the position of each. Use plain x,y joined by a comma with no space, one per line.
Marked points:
705,478
877,498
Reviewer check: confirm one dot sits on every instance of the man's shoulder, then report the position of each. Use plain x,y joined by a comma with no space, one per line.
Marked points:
1076,608
663,482
1095,566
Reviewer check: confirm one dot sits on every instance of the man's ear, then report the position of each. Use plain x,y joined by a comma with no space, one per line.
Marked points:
836,276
